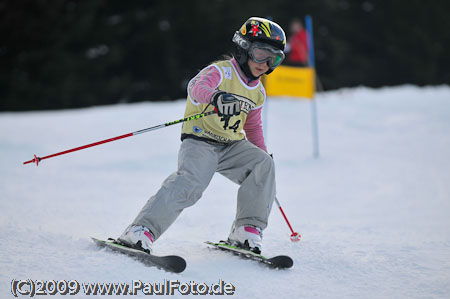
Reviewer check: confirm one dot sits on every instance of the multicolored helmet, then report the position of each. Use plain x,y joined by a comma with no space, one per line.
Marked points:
259,31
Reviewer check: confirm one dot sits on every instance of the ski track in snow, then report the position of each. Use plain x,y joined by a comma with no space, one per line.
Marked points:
373,210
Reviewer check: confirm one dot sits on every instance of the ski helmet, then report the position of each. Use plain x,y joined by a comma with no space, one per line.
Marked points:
258,31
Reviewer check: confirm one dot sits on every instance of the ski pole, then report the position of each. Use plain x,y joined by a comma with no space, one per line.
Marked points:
295,237
37,159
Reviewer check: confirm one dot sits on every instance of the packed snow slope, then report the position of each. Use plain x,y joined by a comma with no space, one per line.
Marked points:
373,209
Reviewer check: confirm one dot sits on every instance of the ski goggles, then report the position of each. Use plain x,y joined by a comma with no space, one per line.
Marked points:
260,53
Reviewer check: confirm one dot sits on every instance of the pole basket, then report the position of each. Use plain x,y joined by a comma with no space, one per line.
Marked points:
296,237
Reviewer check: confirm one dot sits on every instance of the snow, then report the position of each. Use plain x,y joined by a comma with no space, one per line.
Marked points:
373,209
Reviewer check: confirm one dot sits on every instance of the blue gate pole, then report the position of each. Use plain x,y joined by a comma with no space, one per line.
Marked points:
314,122
265,116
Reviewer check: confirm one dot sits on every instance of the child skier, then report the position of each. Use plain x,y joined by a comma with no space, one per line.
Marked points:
216,143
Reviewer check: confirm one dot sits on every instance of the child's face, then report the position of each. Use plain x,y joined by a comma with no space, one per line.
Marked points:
258,69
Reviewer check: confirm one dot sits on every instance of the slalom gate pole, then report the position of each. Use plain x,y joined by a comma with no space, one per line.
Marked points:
295,237
37,159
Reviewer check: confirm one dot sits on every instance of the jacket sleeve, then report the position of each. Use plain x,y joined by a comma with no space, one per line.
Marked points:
253,128
204,85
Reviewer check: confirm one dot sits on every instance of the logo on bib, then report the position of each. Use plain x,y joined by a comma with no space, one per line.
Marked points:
227,72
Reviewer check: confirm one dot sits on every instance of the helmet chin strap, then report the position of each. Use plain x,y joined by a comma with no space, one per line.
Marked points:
246,69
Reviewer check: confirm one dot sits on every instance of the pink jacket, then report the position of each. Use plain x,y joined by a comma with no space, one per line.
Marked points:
206,86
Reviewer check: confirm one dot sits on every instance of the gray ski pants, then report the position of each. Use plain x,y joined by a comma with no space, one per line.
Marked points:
241,162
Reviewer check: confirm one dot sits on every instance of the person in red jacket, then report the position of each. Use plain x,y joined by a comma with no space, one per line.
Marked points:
297,46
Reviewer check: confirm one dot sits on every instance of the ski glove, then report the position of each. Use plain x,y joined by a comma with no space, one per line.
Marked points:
226,104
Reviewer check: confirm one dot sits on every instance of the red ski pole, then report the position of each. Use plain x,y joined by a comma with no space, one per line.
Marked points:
295,237
37,159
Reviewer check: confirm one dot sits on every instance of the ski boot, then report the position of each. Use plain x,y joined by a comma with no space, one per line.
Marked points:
247,237
138,237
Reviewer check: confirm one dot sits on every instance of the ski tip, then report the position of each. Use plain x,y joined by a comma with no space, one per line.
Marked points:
282,261
170,263
179,264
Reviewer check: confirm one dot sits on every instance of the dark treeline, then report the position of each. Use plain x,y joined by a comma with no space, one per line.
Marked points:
64,53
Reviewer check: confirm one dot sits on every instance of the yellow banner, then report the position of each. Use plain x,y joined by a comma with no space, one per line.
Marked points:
291,81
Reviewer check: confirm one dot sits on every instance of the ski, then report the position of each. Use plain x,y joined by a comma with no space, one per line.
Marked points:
277,262
170,263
